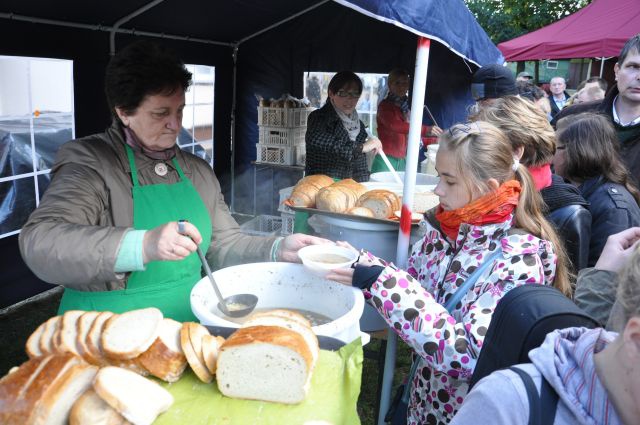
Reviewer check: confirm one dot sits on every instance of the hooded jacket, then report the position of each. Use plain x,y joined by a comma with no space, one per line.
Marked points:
565,359
448,345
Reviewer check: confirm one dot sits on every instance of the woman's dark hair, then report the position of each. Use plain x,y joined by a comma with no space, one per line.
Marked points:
141,69
530,91
344,78
591,150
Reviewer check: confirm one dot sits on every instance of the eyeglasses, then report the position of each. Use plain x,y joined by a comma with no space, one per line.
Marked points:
351,94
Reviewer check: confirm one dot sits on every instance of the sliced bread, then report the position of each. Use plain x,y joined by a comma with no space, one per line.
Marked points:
210,349
127,335
50,330
68,332
138,399
165,358
195,359
90,409
268,363
83,326
32,347
94,353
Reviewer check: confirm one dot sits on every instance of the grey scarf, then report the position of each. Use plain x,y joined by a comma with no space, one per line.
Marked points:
351,122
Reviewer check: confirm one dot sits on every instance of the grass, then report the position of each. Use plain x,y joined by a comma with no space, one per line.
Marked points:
368,400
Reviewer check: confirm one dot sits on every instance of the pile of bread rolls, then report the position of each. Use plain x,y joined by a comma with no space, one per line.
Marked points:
89,367
345,196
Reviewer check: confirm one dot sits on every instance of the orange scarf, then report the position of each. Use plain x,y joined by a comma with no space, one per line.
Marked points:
494,207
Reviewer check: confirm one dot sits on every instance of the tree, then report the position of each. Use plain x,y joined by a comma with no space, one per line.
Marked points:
507,19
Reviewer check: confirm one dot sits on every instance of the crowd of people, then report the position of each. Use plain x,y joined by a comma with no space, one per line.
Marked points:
521,203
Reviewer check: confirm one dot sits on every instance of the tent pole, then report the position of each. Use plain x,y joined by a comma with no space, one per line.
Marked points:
601,66
130,16
233,130
402,251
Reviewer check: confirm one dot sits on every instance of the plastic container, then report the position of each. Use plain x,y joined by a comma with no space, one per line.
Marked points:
288,220
283,117
281,136
262,225
284,285
312,257
281,155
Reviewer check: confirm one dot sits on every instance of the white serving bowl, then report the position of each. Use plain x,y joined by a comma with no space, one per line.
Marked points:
321,259
283,285
387,177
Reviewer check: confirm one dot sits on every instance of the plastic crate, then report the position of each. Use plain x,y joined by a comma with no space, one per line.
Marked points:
262,225
281,136
283,117
282,155
285,193
287,223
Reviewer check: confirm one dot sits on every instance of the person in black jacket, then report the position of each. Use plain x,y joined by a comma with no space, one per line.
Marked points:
336,139
534,143
587,156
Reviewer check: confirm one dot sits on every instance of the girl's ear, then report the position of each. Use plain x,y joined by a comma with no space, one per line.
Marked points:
493,184
518,152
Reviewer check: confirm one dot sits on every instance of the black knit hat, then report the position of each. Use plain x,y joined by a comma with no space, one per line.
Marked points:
493,81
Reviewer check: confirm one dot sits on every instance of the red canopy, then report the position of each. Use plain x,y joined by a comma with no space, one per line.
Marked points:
599,29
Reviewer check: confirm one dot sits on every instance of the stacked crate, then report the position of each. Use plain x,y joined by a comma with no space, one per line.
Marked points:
281,135
286,214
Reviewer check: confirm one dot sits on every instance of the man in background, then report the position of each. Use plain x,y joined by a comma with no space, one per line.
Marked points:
524,76
559,96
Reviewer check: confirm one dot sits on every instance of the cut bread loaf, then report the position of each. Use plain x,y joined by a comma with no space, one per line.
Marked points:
383,203
305,191
307,333
50,330
68,332
90,409
94,353
127,335
32,347
195,358
84,326
268,363
165,358
138,399
210,349
340,196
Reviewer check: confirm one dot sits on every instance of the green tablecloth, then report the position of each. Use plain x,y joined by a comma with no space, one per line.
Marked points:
335,387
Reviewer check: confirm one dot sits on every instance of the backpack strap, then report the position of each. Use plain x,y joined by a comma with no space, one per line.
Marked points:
542,407
471,280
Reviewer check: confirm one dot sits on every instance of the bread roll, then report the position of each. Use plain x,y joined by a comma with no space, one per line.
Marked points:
268,363
305,191
383,203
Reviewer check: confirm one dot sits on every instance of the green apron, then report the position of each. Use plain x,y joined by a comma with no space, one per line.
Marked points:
163,284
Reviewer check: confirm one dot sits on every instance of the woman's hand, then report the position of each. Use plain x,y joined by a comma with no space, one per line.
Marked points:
165,242
344,276
288,249
618,250
373,144
436,131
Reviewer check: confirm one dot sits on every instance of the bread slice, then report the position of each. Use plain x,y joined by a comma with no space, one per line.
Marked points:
210,349
90,409
268,363
94,353
50,330
195,359
127,335
83,326
32,347
383,203
68,332
54,406
288,323
138,399
165,358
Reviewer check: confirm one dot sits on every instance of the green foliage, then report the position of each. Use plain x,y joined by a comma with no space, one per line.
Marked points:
507,19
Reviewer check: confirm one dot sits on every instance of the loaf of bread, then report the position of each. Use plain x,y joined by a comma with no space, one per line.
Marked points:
383,203
340,196
165,358
305,191
268,363
127,335
361,211
90,409
138,399
43,389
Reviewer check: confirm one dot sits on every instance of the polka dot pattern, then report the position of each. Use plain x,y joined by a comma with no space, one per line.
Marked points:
448,345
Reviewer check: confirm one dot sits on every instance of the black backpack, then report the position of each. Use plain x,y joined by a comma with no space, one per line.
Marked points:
523,318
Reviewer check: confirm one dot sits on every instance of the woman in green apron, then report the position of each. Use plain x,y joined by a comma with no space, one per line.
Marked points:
106,228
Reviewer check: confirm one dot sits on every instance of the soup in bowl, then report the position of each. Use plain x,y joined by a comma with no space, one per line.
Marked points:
321,259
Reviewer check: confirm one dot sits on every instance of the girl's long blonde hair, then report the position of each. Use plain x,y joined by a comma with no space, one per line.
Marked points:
484,152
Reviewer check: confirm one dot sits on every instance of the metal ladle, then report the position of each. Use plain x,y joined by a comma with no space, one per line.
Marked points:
238,305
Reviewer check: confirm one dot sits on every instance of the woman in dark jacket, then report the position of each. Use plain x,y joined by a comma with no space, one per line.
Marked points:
587,156
336,139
